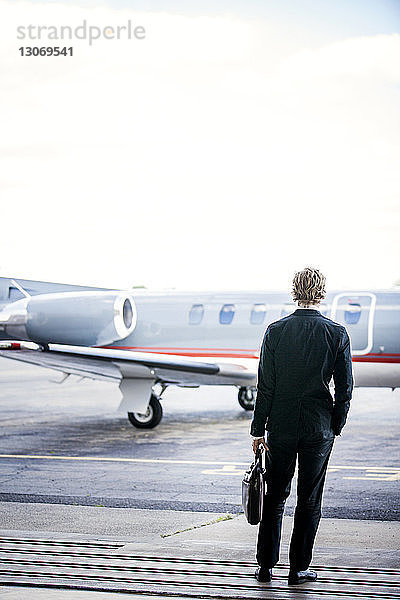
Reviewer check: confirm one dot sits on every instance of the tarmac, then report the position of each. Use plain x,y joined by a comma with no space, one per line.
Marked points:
61,552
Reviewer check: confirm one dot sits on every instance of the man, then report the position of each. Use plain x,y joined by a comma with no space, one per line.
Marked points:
299,355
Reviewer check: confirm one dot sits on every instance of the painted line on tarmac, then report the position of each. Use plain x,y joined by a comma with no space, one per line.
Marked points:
131,460
176,461
226,468
366,473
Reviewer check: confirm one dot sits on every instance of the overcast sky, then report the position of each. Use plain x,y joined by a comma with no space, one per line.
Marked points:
238,142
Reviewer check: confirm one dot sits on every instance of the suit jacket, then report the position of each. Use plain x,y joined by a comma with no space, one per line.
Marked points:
299,355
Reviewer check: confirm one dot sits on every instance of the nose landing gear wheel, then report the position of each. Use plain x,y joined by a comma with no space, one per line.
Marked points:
247,398
150,418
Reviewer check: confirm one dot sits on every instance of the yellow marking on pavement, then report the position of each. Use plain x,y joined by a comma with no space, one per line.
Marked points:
371,473
226,468
352,468
375,478
121,459
379,474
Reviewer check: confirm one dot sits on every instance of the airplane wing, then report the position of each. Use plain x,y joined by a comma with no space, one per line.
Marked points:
90,367
115,365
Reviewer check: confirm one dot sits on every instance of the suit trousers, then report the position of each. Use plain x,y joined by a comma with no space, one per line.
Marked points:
313,451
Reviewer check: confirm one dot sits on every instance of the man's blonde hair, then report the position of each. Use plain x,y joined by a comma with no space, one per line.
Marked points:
308,286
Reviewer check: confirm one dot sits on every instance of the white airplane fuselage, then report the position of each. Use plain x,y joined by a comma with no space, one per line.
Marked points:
230,325
142,338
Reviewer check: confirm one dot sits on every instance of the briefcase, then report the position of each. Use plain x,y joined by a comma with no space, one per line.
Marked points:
253,489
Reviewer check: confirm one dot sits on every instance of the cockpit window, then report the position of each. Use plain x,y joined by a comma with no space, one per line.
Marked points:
352,313
258,313
226,314
196,314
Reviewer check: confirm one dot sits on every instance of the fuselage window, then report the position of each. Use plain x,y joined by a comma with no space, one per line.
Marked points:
226,314
196,314
258,313
352,313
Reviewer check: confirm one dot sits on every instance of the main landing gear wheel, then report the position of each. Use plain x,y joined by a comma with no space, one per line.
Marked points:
150,418
247,398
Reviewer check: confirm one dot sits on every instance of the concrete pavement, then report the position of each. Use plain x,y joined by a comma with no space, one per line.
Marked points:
180,555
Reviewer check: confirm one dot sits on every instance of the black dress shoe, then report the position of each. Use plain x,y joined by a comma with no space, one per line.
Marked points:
296,577
263,575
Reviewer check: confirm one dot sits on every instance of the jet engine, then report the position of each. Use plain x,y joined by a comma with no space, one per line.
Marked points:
76,318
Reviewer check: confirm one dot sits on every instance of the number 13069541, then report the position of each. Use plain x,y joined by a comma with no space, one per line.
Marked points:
46,51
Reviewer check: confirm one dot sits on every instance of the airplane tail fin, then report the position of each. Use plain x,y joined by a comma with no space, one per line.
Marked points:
12,289
21,289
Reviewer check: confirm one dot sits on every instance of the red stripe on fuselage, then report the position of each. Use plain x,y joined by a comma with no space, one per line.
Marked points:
378,358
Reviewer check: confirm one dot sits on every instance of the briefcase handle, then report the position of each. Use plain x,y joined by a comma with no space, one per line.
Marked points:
258,456
258,459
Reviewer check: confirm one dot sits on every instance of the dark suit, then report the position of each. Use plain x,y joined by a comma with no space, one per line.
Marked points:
299,355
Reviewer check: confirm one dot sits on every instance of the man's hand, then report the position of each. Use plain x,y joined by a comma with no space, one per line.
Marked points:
259,442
